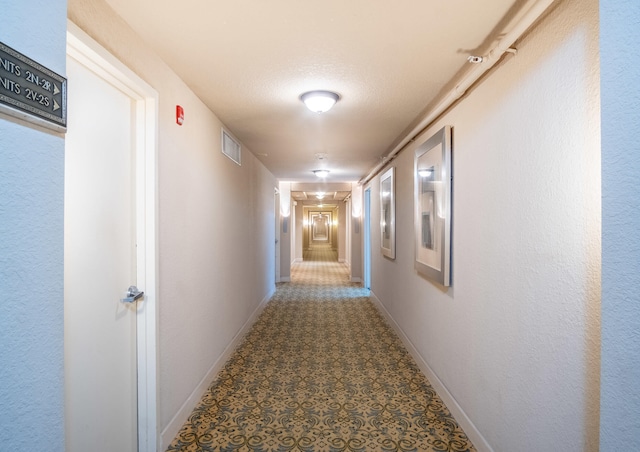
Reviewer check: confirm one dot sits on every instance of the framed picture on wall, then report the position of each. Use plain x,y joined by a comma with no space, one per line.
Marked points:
388,213
432,207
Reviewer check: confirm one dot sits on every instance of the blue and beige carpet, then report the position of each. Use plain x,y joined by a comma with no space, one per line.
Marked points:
321,371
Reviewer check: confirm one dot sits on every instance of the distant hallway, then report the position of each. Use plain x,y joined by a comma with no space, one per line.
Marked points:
321,371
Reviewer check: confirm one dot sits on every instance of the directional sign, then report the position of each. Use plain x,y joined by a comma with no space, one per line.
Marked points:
30,91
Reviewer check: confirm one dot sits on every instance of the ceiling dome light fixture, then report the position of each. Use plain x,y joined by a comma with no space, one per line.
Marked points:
319,101
321,172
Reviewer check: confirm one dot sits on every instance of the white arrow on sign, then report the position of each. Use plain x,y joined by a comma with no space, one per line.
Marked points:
55,105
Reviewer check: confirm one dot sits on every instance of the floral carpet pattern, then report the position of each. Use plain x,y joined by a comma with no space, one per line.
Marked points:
321,371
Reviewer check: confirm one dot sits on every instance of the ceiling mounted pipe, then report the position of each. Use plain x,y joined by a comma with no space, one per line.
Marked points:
530,13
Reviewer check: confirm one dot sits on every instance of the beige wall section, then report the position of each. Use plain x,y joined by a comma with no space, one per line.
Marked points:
285,248
515,340
356,215
305,230
286,215
216,221
348,233
300,231
334,229
342,232
356,264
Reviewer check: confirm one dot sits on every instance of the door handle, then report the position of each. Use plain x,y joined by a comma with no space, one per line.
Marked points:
133,294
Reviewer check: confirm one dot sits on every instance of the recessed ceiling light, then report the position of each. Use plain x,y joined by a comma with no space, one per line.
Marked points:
319,101
321,172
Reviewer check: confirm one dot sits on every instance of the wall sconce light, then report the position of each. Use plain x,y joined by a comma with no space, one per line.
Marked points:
319,101
424,172
321,173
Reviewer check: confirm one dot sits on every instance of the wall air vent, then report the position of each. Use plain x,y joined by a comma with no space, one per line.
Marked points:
230,147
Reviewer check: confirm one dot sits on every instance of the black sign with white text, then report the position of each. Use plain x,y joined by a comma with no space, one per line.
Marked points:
31,88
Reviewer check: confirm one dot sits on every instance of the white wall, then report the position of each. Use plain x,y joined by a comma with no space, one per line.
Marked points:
515,340
620,81
286,237
294,236
285,247
216,221
334,230
31,248
348,232
342,231
356,215
300,231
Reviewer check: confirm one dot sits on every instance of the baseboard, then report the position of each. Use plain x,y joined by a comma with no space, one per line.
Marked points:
285,279
461,417
341,261
174,426
356,279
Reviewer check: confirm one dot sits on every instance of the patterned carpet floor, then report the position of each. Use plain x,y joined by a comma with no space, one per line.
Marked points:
320,370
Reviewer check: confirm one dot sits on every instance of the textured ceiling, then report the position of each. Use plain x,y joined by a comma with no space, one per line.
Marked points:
249,61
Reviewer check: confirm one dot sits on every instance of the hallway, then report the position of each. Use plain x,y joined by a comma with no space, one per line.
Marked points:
321,370
532,347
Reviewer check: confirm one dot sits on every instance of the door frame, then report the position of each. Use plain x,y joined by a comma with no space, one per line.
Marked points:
88,52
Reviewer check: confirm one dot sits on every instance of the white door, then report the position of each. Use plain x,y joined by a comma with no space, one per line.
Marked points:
100,264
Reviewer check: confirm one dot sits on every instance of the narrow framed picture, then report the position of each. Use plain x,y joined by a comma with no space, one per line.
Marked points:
432,207
388,213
